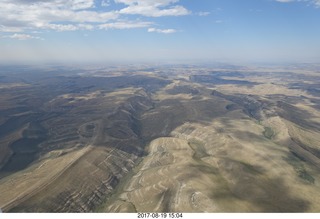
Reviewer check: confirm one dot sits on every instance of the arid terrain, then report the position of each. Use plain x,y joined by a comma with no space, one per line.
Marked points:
162,138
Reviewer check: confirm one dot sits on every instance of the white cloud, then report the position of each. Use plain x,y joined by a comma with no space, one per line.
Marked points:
166,31
317,3
20,16
203,13
105,3
10,29
124,25
85,26
156,8
17,16
314,2
22,36
61,27
81,4
155,3
284,1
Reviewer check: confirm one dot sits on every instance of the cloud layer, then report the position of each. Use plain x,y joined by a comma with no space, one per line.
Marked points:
22,36
19,16
166,31
152,8
314,2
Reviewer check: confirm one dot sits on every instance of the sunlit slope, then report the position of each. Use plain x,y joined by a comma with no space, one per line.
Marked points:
227,166
79,186
255,154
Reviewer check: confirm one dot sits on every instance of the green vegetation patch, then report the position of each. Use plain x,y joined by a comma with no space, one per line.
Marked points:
198,148
249,168
296,162
268,132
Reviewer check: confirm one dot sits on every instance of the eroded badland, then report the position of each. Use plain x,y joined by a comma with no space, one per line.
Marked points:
160,139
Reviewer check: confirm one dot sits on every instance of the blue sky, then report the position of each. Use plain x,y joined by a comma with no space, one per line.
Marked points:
159,30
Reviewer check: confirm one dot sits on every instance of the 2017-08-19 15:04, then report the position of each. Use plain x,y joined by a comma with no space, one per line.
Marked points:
159,215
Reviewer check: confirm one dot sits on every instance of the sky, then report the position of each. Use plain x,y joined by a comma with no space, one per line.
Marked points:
159,30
